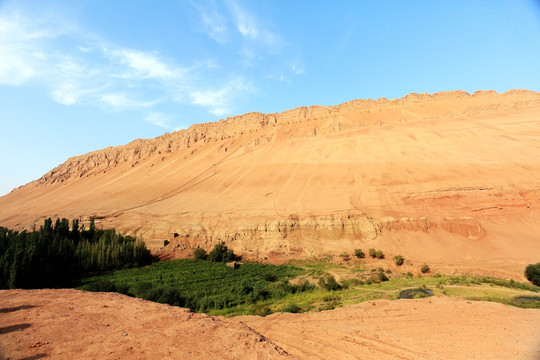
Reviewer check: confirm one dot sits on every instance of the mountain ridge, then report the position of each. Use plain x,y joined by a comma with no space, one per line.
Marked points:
140,149
448,178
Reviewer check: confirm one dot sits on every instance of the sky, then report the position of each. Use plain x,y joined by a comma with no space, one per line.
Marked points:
79,76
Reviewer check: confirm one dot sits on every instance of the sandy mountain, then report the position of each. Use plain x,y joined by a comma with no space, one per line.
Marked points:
449,178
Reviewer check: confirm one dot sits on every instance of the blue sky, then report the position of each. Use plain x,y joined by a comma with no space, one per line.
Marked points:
78,76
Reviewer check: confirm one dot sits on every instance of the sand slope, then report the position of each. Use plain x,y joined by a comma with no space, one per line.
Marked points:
71,324
448,178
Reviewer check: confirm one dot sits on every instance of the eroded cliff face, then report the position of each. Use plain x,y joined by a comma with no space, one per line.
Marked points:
424,172
316,235
331,119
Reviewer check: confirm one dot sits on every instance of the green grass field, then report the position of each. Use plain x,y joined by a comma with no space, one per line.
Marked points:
262,289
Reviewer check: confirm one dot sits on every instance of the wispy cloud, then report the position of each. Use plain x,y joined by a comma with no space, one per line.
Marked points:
219,100
159,119
78,67
213,22
145,65
245,22
251,27
125,101
20,59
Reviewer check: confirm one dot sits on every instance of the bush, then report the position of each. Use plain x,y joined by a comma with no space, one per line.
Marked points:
359,253
372,253
329,283
200,254
268,276
381,276
379,254
532,273
398,259
221,253
101,286
425,268
292,308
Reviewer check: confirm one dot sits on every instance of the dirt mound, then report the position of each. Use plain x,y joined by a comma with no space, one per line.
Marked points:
448,178
434,328
71,324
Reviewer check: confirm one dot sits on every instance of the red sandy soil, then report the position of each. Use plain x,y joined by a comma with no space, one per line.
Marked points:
450,179
71,324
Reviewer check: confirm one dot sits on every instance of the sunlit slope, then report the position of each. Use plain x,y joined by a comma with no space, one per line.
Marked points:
449,175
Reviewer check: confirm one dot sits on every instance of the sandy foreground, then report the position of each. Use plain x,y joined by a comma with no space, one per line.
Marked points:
72,324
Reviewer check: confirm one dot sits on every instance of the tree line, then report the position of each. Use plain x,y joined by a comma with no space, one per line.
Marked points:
56,255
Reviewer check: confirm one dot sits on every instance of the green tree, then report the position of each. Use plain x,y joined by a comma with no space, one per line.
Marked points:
398,259
532,273
221,253
200,254
359,253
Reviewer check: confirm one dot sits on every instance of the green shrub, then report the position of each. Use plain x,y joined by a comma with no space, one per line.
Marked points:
268,276
398,259
221,253
532,273
329,283
372,253
359,253
381,276
425,268
379,254
200,254
292,308
143,289
263,311
101,286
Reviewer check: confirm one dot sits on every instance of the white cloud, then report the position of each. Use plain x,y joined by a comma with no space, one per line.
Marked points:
297,67
245,22
214,24
17,64
250,27
146,65
15,68
220,101
124,101
76,67
66,94
159,119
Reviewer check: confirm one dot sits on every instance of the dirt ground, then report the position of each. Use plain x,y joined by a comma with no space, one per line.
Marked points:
72,324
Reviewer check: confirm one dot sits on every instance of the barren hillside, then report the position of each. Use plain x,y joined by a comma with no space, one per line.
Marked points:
448,178
33,325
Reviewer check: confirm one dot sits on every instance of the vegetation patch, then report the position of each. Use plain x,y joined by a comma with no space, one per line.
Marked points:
56,255
204,285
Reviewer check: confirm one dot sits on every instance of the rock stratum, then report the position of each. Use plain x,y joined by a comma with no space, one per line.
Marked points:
449,178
